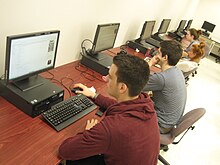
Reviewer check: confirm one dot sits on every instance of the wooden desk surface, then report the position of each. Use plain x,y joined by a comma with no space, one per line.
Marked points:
27,141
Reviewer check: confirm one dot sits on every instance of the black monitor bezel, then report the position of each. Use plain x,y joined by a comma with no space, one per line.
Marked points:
181,25
97,35
205,24
163,24
145,27
9,41
188,25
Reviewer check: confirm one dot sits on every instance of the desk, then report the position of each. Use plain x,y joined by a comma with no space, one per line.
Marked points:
27,141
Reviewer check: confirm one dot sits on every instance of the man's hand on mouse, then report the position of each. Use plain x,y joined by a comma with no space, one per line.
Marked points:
85,90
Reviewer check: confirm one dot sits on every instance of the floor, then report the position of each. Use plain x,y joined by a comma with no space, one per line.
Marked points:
202,145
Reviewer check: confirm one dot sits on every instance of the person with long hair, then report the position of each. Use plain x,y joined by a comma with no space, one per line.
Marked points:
191,61
192,37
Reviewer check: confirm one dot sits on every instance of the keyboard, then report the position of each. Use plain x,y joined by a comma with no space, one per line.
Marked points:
156,37
153,42
176,35
68,111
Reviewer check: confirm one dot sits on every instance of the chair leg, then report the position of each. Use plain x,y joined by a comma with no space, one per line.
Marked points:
164,147
163,160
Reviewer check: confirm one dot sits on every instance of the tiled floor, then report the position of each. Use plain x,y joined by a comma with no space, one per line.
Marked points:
202,145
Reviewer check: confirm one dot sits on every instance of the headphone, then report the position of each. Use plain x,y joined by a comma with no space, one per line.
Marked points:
122,50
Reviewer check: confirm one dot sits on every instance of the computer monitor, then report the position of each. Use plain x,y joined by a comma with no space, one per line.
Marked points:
27,55
104,39
207,26
164,26
188,25
147,29
181,25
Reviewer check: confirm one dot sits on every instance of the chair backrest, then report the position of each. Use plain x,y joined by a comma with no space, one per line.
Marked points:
186,122
187,74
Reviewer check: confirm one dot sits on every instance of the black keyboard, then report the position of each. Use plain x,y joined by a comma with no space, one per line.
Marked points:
153,42
176,35
156,37
68,111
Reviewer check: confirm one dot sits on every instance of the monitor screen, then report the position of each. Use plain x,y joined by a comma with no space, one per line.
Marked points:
30,54
207,26
105,37
181,25
188,25
147,29
164,26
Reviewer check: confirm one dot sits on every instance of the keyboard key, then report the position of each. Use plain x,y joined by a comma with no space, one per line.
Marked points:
68,111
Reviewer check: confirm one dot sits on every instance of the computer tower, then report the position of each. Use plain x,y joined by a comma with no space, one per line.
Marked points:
33,101
101,66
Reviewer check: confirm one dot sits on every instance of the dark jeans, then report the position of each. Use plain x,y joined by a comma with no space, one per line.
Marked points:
93,160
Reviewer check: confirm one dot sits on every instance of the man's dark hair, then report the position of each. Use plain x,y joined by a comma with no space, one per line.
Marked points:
133,71
173,50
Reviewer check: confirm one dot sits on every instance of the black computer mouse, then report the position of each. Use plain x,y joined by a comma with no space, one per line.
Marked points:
76,89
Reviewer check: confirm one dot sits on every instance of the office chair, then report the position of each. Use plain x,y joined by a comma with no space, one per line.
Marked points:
186,123
187,74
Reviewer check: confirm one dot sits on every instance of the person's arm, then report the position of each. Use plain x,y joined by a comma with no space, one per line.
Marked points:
184,54
156,82
89,143
153,61
85,90
99,99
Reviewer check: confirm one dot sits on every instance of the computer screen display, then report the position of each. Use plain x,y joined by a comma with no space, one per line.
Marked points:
188,25
30,54
207,26
105,37
181,25
147,29
164,26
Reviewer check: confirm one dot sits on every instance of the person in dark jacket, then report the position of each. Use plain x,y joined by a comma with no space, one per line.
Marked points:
129,133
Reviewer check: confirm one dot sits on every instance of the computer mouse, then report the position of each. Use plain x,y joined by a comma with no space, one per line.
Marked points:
76,89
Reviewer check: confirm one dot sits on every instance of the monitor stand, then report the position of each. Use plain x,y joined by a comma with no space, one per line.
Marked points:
205,33
99,56
29,83
101,66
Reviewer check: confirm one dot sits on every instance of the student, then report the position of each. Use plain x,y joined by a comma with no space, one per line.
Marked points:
195,54
129,132
168,86
193,37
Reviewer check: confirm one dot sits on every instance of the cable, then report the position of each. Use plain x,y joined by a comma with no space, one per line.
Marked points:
60,82
77,67
85,73
112,52
51,75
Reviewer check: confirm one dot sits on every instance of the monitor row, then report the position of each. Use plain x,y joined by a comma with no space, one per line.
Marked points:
30,54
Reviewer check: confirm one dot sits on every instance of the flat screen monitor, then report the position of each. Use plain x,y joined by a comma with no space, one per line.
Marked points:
27,55
207,26
147,29
188,25
164,26
104,39
181,25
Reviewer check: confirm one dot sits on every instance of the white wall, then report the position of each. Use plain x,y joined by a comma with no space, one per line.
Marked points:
208,10
77,20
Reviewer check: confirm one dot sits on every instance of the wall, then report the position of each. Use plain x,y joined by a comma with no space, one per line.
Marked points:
77,20
208,11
